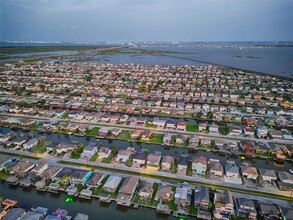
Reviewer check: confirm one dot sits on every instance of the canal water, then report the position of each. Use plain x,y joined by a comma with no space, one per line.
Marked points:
28,198
171,151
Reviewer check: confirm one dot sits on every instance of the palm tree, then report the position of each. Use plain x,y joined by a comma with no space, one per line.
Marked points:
31,133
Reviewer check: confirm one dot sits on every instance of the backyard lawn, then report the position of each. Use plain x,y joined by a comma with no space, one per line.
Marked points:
93,131
192,127
40,148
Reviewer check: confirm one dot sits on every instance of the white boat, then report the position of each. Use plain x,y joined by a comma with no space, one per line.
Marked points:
291,171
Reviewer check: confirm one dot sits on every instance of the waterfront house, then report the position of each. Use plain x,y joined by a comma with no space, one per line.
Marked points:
205,141
78,176
141,122
199,165
214,128
249,172
139,159
30,144
22,167
224,205
216,168
262,131
167,162
112,183
181,126
167,138
268,210
72,127
235,130
136,133
51,172
182,196
180,139
202,126
64,175
104,131
159,123
247,147
104,152
267,175
153,160
261,147
89,151
201,197
40,168
19,141
245,208
170,125
182,164
193,140
232,170
114,119
277,150
146,134
164,193
219,142
123,156
146,191
95,180
84,128
105,118
249,131
116,131
127,190
276,134
61,148
285,177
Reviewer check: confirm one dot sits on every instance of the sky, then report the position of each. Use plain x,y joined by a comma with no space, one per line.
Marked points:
146,20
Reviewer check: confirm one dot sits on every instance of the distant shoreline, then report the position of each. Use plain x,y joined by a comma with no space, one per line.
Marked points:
84,47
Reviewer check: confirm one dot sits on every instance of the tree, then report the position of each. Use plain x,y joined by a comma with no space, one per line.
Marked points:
210,115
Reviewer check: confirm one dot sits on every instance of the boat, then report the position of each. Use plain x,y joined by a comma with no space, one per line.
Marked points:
291,171
279,163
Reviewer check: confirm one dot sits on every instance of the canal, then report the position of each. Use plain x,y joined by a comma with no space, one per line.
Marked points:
172,151
28,198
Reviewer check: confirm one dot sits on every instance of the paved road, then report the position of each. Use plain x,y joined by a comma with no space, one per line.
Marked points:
154,130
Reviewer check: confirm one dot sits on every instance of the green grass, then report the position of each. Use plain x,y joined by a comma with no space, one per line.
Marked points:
112,155
76,153
121,95
20,155
192,127
155,138
224,130
129,163
185,143
152,202
34,126
4,176
92,132
97,190
94,157
124,135
150,125
40,148
189,169
113,195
